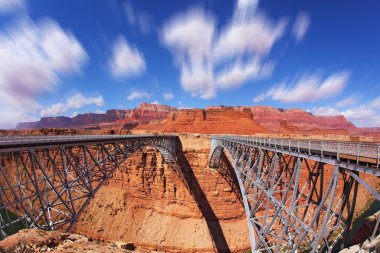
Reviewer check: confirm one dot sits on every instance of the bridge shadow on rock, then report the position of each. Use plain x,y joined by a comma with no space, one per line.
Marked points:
186,174
227,172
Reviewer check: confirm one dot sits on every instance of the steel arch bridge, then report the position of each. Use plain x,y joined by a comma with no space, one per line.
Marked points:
298,195
47,181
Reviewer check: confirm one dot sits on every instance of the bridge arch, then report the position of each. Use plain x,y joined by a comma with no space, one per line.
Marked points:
291,194
49,185
217,148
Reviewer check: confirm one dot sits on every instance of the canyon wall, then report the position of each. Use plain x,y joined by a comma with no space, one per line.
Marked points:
189,208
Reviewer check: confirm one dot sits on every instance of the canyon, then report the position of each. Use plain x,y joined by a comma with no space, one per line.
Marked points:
192,207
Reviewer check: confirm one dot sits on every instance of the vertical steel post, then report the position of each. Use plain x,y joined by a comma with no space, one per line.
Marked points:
309,148
337,154
321,148
357,154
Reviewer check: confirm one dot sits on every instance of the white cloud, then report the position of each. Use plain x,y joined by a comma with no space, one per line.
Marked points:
199,48
375,104
325,111
75,102
155,102
34,56
307,89
366,115
190,37
126,60
238,73
138,95
244,4
9,6
351,100
9,119
363,116
255,35
301,25
167,95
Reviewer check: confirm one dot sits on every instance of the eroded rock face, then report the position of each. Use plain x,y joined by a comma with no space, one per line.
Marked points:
250,120
212,120
191,208
144,113
280,119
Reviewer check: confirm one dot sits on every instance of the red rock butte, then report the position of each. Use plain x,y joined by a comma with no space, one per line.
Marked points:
211,120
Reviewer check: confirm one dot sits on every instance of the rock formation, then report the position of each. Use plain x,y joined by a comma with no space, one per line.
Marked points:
212,120
34,240
142,114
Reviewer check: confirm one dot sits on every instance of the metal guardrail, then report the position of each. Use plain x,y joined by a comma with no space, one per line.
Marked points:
358,152
27,140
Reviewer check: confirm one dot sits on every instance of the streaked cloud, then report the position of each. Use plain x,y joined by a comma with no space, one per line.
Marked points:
254,34
10,6
138,95
301,25
189,35
325,111
238,73
126,60
76,101
308,88
34,58
168,95
199,48
351,100
138,19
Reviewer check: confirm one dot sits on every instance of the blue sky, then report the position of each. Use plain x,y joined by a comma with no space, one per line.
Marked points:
68,57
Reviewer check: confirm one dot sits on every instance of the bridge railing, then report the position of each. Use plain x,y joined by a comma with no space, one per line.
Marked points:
9,140
352,151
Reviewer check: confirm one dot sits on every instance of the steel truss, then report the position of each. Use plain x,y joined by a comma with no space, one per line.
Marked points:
294,202
48,184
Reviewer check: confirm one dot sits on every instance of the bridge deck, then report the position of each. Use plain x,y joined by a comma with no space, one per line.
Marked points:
351,155
10,143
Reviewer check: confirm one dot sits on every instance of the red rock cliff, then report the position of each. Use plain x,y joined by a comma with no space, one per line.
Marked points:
212,120
142,114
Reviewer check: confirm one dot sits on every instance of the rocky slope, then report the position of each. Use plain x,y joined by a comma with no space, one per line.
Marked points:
34,240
